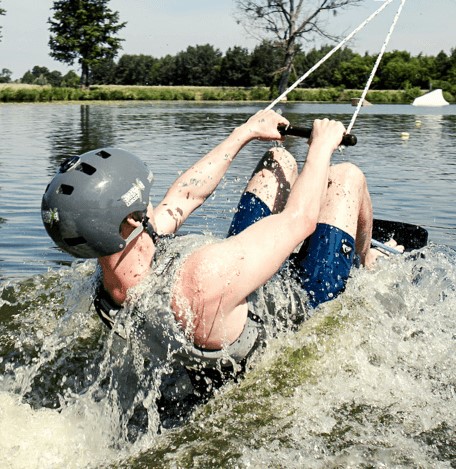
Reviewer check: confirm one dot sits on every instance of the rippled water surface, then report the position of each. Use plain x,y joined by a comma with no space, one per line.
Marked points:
369,381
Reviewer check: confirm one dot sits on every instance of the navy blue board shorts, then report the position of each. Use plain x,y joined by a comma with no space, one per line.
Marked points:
322,265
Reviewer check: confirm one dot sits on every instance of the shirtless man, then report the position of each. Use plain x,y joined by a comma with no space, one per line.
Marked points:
97,206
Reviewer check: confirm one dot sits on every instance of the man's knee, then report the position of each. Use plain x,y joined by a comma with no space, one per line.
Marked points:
273,178
278,160
285,159
346,173
347,189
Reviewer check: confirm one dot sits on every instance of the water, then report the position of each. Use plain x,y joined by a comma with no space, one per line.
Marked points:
368,382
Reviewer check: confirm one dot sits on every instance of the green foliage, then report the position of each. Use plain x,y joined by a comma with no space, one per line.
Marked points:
5,75
103,72
25,94
28,78
314,95
28,93
389,97
43,76
71,80
240,76
355,72
198,66
133,70
326,74
206,66
225,94
84,31
265,60
260,93
235,67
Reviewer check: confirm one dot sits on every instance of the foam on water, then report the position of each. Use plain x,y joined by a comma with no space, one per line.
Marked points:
368,381
46,438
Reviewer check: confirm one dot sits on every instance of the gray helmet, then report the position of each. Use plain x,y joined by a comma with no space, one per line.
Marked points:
89,197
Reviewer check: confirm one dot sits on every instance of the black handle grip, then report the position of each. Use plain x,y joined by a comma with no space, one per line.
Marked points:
349,140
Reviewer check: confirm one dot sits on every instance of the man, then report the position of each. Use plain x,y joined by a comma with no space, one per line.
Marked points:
97,206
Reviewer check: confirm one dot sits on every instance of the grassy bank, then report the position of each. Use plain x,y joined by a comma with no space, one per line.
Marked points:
18,93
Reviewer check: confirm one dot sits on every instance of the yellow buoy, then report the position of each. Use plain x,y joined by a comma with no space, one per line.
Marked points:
418,123
405,135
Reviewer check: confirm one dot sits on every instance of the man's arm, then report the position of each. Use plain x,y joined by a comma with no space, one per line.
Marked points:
196,184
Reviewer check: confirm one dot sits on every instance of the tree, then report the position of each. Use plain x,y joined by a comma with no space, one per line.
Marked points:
354,73
289,22
165,74
42,76
38,76
198,66
264,62
54,78
5,75
134,69
442,63
400,70
330,72
235,67
104,72
84,31
451,75
70,80
38,71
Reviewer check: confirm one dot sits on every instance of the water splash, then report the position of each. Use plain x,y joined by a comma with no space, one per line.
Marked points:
368,381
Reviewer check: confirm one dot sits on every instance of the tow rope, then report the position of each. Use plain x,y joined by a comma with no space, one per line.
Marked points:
337,47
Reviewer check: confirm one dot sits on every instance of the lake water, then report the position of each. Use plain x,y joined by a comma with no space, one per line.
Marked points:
376,389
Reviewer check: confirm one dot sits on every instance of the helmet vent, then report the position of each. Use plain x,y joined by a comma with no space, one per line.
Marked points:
103,154
69,163
65,189
86,168
75,241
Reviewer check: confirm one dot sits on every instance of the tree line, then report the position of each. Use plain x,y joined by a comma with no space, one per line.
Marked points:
204,65
86,32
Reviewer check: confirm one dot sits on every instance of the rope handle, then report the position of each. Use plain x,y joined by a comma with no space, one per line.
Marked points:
348,140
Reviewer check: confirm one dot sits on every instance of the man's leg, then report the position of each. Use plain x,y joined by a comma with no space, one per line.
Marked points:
348,205
268,189
345,224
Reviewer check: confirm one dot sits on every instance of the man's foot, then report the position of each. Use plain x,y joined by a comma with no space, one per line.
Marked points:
378,252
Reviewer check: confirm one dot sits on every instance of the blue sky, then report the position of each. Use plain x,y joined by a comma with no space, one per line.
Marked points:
160,27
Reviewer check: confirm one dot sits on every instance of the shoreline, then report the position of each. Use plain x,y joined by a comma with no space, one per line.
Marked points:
21,93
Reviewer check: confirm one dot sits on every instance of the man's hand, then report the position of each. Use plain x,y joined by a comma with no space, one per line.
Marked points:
327,132
263,125
375,253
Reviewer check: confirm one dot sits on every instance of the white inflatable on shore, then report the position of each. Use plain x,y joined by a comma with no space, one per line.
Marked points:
434,98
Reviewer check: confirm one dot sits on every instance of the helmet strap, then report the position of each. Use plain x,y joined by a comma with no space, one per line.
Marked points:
150,229
135,233
144,226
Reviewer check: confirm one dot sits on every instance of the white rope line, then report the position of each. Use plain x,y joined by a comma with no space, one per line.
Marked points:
329,54
374,70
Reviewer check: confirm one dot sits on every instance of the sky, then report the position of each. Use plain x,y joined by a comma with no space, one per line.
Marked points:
160,27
